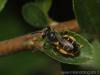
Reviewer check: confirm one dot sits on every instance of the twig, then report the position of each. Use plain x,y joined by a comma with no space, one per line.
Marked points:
27,42
63,26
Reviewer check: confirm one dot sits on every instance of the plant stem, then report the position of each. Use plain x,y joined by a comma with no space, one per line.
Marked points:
28,41
63,26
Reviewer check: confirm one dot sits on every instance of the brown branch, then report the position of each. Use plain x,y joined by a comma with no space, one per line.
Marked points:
63,26
27,42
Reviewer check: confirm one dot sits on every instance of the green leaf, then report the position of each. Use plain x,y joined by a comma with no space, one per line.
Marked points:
96,45
85,55
88,15
44,5
34,15
2,4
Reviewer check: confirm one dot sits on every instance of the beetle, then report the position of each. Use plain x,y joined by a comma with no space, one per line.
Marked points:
65,44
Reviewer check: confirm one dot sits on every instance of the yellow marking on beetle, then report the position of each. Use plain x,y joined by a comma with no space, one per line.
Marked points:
56,43
63,51
72,38
65,36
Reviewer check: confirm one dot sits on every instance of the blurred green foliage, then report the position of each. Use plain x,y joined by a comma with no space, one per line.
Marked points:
44,5
34,15
96,45
87,13
2,4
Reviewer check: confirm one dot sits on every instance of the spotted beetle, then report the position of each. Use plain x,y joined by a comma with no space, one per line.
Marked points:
65,44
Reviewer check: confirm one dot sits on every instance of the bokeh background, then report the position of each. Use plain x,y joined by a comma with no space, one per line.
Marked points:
12,25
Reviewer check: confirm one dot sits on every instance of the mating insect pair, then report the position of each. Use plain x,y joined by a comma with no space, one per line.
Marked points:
64,44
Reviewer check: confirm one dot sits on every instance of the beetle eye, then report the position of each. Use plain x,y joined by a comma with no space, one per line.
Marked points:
52,36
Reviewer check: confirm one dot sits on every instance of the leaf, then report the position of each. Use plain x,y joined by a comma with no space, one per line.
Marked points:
44,5
34,15
2,4
85,55
88,15
96,45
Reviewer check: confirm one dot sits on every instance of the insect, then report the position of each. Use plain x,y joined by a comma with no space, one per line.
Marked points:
65,44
